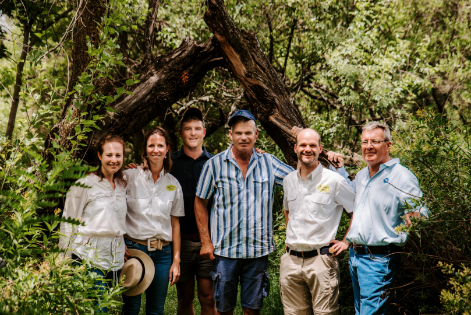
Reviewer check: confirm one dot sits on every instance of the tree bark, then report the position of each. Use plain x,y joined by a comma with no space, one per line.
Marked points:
169,78
267,95
19,79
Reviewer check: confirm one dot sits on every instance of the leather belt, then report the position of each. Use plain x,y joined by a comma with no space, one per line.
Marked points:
378,250
309,254
152,243
194,237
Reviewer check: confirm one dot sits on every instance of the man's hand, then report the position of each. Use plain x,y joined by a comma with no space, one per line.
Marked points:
131,165
338,247
174,273
295,130
336,158
411,215
207,251
260,151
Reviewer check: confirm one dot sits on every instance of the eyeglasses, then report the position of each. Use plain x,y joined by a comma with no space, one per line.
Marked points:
373,142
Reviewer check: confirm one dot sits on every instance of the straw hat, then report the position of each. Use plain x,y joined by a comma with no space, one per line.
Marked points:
139,272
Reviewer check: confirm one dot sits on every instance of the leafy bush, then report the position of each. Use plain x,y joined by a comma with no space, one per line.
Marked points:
38,279
438,152
456,300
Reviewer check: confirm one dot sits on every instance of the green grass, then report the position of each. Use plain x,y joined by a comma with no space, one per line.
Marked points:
271,305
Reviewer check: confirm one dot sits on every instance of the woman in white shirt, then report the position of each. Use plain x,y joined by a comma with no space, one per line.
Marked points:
99,201
155,201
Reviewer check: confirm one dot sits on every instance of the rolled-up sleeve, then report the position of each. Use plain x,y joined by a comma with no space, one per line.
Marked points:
345,195
411,195
178,209
205,188
75,203
281,170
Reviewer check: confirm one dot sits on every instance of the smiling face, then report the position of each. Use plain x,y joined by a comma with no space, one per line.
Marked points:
193,133
308,148
243,135
112,158
156,150
374,154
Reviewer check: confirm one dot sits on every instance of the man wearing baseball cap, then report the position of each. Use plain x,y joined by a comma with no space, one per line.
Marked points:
242,183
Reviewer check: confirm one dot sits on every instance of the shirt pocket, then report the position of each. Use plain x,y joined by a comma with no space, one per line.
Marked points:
317,202
260,187
137,192
292,199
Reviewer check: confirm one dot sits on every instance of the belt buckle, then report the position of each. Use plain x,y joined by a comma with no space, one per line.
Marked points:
150,248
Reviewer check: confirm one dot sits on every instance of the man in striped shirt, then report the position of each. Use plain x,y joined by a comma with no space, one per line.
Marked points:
242,183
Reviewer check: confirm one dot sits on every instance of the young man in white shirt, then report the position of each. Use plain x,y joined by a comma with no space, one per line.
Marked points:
314,198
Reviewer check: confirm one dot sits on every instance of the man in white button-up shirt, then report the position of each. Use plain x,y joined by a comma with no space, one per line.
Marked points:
313,202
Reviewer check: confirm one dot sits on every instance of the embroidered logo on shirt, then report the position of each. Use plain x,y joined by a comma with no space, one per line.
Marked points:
171,187
324,188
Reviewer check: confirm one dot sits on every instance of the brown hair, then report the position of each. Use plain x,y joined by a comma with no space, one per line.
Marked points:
119,175
167,161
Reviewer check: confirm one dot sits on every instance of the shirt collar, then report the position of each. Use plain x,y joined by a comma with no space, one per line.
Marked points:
228,155
182,153
313,174
149,174
389,163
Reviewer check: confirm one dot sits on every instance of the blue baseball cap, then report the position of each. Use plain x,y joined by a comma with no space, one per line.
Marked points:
241,113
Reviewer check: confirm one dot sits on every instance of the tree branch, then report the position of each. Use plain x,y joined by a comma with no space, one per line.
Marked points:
149,30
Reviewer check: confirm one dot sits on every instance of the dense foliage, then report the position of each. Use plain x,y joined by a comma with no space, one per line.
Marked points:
404,62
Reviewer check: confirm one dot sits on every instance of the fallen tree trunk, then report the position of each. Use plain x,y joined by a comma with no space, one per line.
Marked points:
168,79
264,89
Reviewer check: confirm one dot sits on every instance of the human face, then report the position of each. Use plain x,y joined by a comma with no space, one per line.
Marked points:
308,148
193,133
375,154
112,158
243,136
156,149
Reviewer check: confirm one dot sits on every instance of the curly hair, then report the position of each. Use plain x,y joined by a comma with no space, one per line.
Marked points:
167,161
119,175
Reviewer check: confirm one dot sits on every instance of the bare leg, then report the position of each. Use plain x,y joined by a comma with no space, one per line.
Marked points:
205,295
248,311
186,294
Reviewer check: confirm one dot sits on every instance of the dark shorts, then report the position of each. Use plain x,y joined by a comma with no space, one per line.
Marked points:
191,262
254,282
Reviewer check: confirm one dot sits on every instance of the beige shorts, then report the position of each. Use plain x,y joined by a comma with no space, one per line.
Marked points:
311,283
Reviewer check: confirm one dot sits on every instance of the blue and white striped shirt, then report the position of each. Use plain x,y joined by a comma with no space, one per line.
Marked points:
241,215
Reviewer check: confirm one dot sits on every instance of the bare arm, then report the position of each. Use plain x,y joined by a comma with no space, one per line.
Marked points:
340,246
201,214
286,222
174,273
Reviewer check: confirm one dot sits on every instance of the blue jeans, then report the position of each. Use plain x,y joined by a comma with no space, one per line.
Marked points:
372,278
106,278
157,291
254,282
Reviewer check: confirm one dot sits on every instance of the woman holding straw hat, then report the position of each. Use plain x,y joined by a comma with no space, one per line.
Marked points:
99,201
155,201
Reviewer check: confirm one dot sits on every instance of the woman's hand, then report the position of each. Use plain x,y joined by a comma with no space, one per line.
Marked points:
126,253
174,274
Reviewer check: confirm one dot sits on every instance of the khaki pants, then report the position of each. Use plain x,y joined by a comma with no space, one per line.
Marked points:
311,283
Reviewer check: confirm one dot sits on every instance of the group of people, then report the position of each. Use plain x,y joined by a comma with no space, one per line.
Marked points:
209,218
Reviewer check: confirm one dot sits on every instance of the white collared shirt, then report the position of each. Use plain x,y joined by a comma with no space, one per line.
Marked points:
315,207
150,204
103,212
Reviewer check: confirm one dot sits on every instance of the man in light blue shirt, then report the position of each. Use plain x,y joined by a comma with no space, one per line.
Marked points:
383,190
242,183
